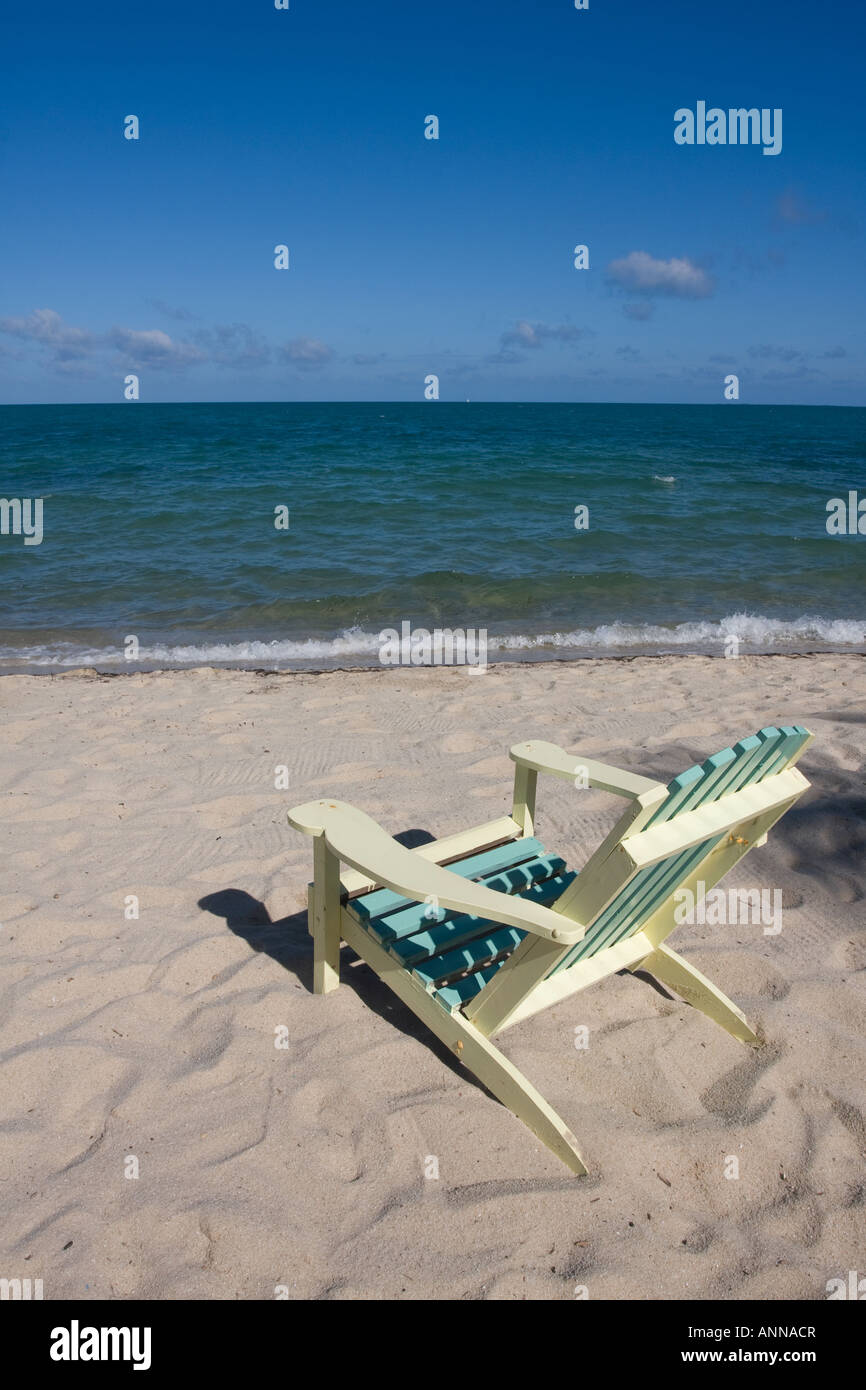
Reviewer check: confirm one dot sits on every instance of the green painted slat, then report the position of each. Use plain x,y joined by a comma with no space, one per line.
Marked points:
751,753
730,770
634,903
382,900
453,996
728,775
462,927
394,926
476,953
794,738
750,767
680,789
679,868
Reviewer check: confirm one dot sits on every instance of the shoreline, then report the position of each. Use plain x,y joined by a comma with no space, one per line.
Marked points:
110,669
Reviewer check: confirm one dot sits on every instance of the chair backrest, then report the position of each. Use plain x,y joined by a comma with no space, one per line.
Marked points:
752,761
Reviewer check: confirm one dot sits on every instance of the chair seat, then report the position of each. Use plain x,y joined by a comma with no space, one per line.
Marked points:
454,954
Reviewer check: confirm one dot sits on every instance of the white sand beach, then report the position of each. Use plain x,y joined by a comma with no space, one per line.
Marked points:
148,1043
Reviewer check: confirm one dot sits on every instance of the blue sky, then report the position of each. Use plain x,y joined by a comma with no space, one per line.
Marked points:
412,256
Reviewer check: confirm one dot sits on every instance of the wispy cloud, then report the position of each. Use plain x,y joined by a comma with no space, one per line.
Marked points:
640,310
307,353
63,342
535,335
769,352
793,208
641,273
233,345
76,350
529,337
799,373
150,347
171,311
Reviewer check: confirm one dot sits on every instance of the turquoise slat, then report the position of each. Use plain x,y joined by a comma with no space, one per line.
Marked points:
382,900
463,928
440,943
794,738
505,939
393,926
749,756
770,755
749,761
680,790
750,764
452,996
475,954
688,790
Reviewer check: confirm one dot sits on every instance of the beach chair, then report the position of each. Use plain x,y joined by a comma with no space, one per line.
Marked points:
480,930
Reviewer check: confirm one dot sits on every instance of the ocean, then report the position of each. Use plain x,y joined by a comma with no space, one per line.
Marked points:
702,523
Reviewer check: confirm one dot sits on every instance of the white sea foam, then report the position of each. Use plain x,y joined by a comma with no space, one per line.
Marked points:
753,630
356,646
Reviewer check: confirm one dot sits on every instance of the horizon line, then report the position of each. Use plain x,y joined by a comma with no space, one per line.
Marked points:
681,405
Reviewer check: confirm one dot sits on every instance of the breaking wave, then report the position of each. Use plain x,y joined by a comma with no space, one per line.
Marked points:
356,646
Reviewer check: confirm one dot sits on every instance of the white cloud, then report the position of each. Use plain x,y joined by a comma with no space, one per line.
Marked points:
307,352
644,274
235,345
46,327
781,354
151,347
535,335
531,336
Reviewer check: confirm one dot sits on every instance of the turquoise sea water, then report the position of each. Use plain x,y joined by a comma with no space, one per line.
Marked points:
159,522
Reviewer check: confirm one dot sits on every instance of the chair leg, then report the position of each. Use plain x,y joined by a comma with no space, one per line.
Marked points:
511,1087
474,1050
324,917
698,991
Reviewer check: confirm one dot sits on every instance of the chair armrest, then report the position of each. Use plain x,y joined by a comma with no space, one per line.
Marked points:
356,839
549,758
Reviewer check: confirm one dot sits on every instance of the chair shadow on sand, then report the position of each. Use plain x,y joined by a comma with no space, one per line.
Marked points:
288,942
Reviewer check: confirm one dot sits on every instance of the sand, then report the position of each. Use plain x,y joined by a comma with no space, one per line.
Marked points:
148,1044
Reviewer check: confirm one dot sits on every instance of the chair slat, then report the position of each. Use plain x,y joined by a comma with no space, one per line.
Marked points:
406,921
750,760
475,954
444,936
453,997
794,736
690,789
382,900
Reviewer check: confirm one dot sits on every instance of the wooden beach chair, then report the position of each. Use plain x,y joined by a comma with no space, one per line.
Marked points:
480,930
